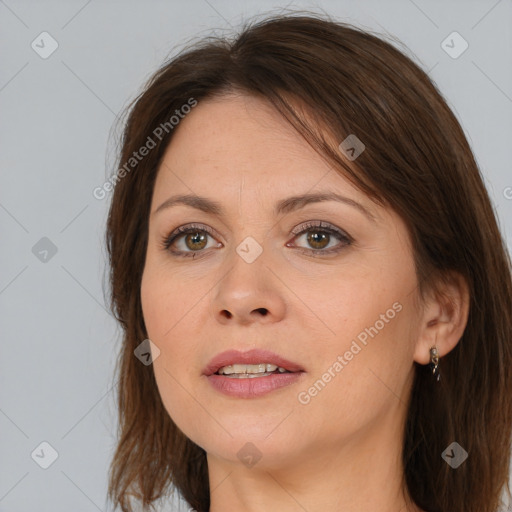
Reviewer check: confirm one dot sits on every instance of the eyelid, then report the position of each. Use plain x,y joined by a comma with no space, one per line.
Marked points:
169,239
320,224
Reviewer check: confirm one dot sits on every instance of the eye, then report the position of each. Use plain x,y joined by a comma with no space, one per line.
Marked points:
319,235
193,239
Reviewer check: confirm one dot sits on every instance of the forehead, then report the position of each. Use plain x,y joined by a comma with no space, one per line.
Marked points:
239,143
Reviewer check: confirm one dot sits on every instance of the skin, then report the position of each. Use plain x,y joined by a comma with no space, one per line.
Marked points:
341,450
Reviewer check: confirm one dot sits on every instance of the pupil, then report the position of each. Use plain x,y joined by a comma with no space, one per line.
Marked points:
314,240
196,238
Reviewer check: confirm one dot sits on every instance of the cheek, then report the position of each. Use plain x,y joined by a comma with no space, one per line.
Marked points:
165,301
355,305
167,316
357,384
375,331
365,362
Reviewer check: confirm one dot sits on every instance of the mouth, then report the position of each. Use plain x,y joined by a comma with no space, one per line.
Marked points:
249,365
250,371
251,374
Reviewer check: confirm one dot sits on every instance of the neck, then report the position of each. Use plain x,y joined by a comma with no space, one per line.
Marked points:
363,473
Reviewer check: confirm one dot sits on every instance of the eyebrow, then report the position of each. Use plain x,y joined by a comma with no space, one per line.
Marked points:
283,206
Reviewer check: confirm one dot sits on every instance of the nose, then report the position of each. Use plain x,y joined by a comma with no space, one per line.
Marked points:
248,293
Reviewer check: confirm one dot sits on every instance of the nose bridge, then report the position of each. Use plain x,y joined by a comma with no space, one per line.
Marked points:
248,263
248,289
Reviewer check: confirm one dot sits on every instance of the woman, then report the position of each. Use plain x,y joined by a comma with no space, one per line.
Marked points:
315,297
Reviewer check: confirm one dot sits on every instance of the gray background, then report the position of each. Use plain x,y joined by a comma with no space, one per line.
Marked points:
58,340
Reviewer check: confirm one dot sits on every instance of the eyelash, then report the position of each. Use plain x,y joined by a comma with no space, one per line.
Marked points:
168,240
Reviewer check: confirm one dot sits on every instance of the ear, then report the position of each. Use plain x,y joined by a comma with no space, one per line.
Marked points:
444,318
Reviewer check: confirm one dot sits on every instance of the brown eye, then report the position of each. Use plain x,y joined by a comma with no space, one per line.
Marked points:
189,240
319,236
318,239
195,241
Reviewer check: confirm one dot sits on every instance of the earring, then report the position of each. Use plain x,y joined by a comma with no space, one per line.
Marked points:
434,363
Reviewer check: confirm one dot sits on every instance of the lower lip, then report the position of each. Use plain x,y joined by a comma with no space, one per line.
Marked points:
252,387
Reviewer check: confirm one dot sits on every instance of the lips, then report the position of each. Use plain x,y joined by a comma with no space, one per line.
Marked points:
254,356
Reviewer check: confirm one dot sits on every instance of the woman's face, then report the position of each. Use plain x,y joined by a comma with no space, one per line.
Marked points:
266,272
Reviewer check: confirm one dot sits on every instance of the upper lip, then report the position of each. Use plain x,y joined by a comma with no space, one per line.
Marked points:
254,356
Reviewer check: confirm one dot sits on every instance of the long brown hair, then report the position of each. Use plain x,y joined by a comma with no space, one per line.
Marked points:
329,80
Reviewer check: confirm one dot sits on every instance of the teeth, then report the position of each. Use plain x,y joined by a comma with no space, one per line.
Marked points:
250,369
